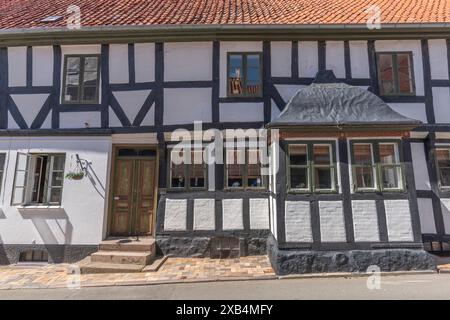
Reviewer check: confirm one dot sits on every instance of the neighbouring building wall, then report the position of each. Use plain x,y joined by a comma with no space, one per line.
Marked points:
79,223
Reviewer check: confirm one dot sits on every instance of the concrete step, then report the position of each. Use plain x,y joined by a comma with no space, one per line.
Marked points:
146,244
123,257
99,267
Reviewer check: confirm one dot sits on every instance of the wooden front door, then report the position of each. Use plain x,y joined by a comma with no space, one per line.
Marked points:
133,193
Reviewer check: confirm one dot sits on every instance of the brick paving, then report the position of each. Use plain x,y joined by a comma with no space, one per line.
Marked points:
172,271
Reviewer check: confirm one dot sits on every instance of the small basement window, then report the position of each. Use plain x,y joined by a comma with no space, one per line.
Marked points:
38,179
33,256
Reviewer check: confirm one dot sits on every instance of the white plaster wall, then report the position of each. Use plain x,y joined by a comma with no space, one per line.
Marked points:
438,58
187,61
12,124
234,46
131,102
332,226
427,223
175,218
308,59
359,59
70,120
445,205
298,221
17,66
259,214
413,46
118,63
411,110
274,111
420,167
232,210
186,105
365,221
398,220
204,214
281,58
29,105
144,62
241,112
441,103
335,58
80,219
42,66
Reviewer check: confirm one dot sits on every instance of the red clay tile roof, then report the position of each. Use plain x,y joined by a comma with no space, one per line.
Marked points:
16,14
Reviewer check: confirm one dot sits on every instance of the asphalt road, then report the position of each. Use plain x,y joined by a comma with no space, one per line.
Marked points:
425,286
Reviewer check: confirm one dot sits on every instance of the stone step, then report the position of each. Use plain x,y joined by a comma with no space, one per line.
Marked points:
122,257
99,267
128,245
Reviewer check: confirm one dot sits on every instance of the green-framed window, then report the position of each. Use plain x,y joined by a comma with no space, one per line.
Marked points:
189,174
38,179
311,166
81,79
244,168
395,73
443,166
377,166
244,74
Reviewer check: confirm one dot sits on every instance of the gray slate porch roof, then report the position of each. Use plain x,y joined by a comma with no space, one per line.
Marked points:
338,104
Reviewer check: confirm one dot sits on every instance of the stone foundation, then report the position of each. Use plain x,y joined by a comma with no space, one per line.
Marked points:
9,253
286,262
201,246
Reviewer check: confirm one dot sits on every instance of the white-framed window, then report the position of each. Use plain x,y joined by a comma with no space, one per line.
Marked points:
376,166
38,179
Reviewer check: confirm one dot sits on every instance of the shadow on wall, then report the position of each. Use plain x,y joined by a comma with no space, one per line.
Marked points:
92,176
3,256
53,225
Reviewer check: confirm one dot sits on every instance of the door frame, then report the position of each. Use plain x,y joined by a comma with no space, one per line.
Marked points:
115,148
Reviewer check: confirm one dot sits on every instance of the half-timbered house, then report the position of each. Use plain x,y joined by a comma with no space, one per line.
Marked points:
360,174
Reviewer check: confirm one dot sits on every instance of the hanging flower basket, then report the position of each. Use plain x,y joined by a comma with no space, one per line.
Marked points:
75,175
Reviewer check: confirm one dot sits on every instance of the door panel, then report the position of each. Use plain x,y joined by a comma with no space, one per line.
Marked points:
145,195
122,197
133,197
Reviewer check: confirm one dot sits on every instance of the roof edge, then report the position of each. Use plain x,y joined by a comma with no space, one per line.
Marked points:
124,34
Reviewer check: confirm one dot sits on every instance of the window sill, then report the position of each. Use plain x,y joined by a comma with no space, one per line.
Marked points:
38,207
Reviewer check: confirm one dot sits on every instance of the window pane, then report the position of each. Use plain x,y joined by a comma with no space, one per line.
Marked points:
235,75
177,178
363,154
323,178
321,154
55,195
235,159
404,73
58,162
443,159
253,77
388,154
197,173
390,177
364,177
91,64
89,94
386,73
298,155
254,169
90,79
57,179
298,178
71,93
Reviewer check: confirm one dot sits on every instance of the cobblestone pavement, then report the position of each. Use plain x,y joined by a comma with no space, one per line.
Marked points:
174,270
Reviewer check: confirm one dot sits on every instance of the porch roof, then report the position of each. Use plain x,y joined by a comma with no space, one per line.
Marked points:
338,104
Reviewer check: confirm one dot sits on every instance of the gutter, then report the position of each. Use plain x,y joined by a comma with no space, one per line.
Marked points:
108,34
